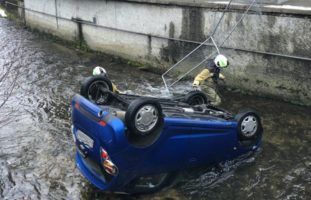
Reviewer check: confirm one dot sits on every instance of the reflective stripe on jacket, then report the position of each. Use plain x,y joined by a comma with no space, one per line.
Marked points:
204,75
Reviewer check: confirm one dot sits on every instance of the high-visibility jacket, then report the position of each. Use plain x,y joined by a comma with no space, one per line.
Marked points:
114,88
207,75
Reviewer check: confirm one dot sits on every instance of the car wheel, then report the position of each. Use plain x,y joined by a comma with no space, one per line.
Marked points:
249,125
143,116
95,89
195,98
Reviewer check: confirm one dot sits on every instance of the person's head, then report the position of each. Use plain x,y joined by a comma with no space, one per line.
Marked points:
99,71
221,61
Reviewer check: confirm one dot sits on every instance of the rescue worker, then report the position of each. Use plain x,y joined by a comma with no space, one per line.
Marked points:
101,71
207,79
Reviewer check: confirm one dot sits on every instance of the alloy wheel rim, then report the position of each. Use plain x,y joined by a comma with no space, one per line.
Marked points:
249,126
146,118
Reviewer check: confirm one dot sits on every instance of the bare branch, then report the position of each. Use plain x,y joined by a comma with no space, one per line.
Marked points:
10,89
9,75
6,73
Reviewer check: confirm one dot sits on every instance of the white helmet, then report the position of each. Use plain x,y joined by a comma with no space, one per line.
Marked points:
99,70
221,61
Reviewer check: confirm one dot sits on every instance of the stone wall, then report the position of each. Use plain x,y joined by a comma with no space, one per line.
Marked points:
139,30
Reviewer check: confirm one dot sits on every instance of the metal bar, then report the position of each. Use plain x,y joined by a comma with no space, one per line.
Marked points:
165,84
215,44
188,72
173,39
184,58
56,13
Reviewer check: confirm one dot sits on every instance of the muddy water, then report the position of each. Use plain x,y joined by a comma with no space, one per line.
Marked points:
37,151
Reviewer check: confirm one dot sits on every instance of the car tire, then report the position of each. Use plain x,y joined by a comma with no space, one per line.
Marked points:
195,98
93,88
249,125
143,117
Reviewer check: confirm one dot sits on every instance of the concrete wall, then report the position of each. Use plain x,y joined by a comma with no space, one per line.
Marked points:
136,30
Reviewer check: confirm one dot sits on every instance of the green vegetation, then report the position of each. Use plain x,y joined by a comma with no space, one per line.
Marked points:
135,64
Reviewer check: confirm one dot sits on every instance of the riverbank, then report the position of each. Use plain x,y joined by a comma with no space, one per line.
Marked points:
268,55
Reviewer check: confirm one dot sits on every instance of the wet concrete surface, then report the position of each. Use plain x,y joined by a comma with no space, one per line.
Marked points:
37,150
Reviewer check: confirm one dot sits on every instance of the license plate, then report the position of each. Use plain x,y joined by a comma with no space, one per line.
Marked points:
82,137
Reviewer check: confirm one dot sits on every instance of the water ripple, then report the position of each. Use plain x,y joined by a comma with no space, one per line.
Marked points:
37,151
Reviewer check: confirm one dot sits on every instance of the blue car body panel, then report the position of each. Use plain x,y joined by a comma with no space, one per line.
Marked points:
183,143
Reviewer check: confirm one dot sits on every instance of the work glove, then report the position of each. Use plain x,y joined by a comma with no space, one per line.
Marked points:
196,86
222,79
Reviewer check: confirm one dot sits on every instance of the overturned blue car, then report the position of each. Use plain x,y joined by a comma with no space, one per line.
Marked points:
135,144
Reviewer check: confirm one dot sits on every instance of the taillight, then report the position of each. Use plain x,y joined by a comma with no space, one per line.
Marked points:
103,154
103,123
77,105
108,165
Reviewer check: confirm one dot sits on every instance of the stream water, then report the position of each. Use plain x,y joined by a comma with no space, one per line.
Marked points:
37,150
